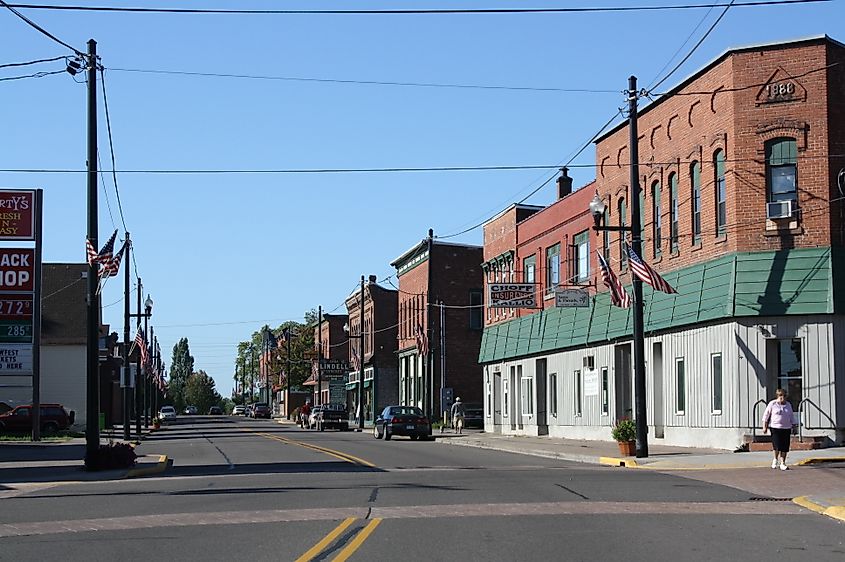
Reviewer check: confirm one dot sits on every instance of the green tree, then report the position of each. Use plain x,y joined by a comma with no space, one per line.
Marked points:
200,392
181,368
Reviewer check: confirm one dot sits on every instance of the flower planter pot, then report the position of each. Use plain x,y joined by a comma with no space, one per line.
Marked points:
627,448
156,426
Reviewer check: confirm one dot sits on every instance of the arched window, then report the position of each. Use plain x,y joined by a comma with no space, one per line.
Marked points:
782,170
623,217
721,192
673,212
695,199
656,221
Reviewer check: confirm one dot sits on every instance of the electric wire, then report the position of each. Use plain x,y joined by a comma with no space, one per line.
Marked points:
684,44
33,75
105,191
28,63
111,149
410,11
38,27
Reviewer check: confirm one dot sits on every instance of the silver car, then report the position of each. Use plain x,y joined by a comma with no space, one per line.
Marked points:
167,413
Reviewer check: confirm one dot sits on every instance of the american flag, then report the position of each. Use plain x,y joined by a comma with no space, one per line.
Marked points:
618,295
91,252
356,359
142,346
112,267
648,275
422,341
105,254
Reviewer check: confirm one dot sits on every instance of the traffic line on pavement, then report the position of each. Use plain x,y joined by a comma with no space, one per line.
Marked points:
331,452
326,541
356,543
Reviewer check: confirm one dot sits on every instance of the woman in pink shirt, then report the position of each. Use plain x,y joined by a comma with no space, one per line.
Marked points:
778,417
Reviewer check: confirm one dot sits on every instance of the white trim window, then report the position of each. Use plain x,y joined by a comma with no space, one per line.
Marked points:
716,383
527,395
605,392
680,386
506,402
578,387
553,394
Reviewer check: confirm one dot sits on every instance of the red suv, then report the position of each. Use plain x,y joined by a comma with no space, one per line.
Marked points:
53,418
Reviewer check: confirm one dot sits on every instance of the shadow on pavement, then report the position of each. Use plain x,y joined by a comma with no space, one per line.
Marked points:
270,468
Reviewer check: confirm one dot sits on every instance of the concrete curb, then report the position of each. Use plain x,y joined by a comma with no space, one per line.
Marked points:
159,467
834,511
624,463
819,460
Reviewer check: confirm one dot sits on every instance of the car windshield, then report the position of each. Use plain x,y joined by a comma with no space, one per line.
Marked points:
334,407
260,405
167,409
405,411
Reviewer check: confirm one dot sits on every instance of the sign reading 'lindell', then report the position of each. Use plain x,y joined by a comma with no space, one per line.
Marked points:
512,295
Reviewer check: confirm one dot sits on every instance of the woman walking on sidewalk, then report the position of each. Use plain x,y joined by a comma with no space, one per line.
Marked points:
778,417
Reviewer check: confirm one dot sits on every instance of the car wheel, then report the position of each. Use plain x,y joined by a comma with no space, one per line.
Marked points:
387,435
321,426
50,428
376,433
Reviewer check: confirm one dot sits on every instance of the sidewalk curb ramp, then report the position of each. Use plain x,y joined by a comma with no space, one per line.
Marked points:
834,511
159,467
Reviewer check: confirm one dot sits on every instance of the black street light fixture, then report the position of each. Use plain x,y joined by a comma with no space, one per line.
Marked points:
597,209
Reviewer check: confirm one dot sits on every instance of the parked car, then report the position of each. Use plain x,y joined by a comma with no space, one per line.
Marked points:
474,415
238,410
402,420
248,410
167,413
312,417
53,418
215,411
261,410
191,411
332,416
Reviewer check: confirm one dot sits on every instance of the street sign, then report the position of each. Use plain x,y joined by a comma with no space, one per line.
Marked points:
512,295
17,215
572,298
15,359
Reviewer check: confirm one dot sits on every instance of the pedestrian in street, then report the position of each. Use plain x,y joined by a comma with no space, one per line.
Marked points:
778,418
304,411
458,412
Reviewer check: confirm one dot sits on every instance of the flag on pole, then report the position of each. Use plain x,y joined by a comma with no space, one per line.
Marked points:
112,267
618,295
104,255
91,252
647,274
142,346
356,359
422,341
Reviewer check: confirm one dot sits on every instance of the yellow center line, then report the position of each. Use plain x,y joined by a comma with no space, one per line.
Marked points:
357,541
331,452
317,548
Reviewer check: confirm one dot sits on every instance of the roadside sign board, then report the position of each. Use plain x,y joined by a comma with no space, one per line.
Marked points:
17,269
333,366
15,359
512,295
16,331
17,215
572,298
15,307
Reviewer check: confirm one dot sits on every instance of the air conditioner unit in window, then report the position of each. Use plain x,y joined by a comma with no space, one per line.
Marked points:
779,210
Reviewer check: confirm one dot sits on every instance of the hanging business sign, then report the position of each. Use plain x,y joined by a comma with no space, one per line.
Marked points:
17,215
512,295
572,298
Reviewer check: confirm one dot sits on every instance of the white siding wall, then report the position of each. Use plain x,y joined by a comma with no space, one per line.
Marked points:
742,346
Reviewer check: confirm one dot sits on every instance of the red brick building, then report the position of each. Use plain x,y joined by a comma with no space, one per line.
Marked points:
742,171
432,273
380,382
330,342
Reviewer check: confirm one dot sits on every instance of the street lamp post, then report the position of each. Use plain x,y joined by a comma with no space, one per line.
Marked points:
597,209
148,311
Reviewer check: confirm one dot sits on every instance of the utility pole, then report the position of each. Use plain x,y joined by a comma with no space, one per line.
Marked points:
428,381
36,317
287,335
148,334
319,354
361,362
636,244
92,397
139,387
127,389
243,380
251,371
442,360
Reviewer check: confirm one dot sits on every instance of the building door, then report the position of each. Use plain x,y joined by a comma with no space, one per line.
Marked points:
497,401
623,383
542,398
784,369
657,386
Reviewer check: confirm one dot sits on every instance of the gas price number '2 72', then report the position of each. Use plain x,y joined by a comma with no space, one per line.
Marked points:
13,307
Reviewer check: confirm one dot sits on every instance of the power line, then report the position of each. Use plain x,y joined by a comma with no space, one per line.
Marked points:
38,27
28,63
33,75
677,52
111,149
365,82
697,45
417,11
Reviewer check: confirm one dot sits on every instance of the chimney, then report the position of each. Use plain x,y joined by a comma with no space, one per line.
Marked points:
373,279
564,183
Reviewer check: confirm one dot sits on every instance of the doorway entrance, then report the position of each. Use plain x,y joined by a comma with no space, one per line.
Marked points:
623,383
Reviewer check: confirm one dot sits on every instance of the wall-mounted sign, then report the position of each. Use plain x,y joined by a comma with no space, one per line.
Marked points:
17,269
572,298
591,383
512,295
15,359
17,215
333,366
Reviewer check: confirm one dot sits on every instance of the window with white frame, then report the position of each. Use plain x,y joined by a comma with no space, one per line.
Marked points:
527,395
553,394
529,265
552,268
578,393
581,261
680,386
605,392
716,374
506,403
489,409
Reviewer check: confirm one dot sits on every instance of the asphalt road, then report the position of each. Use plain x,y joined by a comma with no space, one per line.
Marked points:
256,490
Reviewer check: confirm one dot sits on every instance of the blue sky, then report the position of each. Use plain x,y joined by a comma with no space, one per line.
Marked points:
223,254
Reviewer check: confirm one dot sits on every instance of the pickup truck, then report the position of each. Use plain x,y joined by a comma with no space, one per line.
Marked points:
332,416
